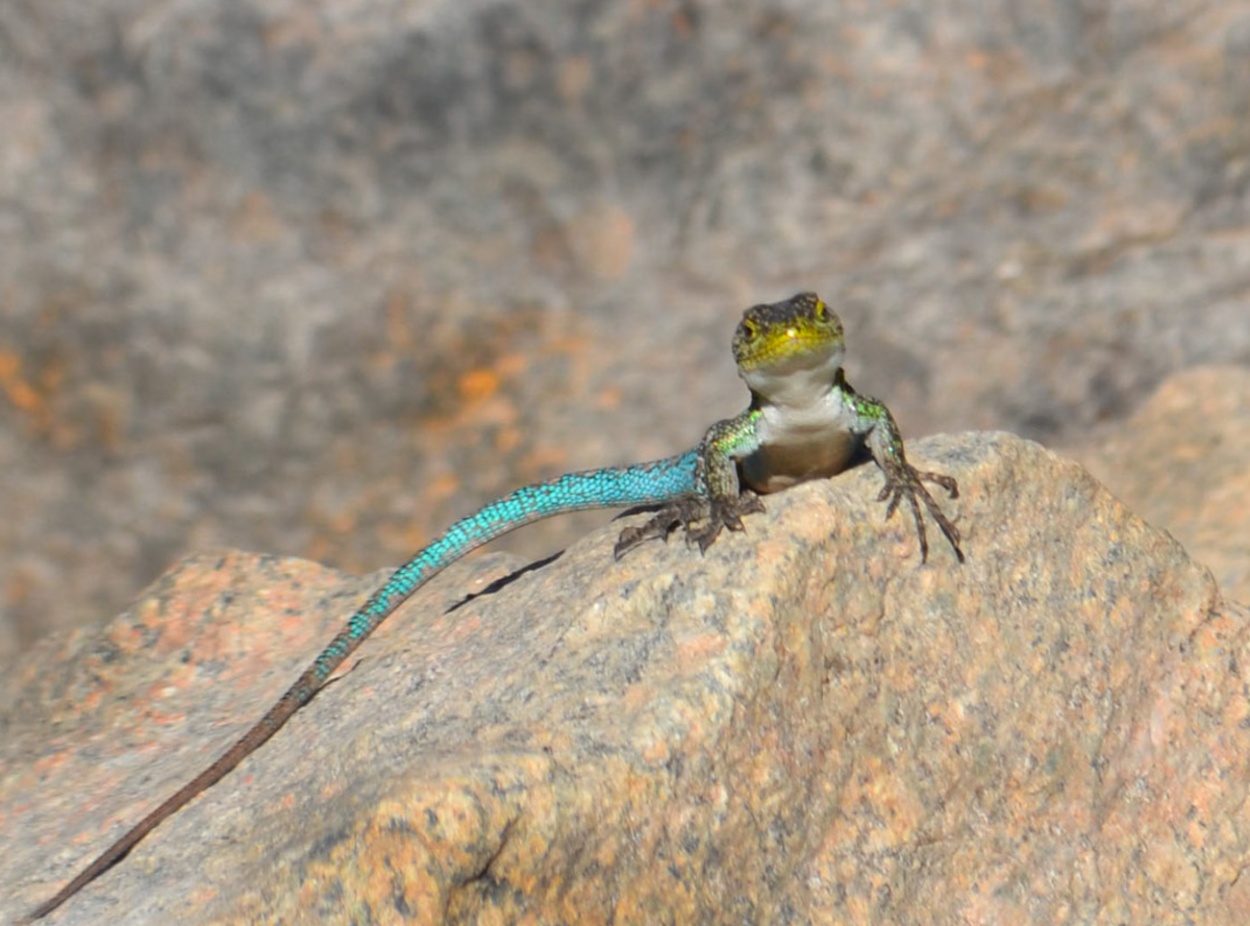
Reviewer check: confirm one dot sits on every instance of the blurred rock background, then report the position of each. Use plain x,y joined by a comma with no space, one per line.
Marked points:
316,277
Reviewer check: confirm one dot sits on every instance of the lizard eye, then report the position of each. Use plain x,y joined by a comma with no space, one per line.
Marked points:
821,311
749,328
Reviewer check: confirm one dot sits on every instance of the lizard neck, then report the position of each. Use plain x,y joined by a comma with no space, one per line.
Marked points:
796,385
805,424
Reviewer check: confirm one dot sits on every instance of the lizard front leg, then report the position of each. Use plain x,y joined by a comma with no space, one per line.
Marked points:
720,502
903,482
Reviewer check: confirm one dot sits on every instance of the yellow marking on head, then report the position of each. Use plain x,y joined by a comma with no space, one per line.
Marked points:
794,328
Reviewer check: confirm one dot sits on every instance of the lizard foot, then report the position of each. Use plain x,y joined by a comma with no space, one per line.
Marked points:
702,520
681,513
908,483
724,513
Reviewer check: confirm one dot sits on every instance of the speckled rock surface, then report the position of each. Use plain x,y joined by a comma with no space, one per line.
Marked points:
804,725
1182,461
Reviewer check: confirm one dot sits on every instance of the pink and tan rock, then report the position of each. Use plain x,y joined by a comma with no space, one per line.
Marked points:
1180,462
804,725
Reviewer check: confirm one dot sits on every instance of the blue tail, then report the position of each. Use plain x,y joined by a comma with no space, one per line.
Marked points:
617,487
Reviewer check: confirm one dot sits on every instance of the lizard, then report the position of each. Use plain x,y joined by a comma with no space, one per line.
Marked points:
804,421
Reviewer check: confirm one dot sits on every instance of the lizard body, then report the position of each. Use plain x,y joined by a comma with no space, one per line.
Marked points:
804,421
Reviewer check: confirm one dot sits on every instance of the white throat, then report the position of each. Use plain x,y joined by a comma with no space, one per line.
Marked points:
799,383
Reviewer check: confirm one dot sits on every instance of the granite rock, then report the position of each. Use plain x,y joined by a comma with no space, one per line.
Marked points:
1179,461
805,724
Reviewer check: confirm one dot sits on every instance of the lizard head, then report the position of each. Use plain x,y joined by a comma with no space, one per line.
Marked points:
797,337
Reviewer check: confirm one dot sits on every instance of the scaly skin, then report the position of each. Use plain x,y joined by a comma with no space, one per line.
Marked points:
804,422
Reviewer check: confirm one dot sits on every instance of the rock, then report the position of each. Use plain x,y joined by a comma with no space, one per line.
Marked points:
1180,462
803,725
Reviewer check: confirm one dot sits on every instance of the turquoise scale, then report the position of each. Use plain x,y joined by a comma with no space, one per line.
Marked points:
619,487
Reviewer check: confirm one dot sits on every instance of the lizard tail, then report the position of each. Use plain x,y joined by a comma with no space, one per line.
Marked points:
639,484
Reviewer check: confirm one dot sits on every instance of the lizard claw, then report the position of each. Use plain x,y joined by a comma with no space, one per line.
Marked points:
724,513
681,513
702,520
908,483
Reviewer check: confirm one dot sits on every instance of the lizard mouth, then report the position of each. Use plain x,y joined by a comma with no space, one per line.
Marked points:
792,351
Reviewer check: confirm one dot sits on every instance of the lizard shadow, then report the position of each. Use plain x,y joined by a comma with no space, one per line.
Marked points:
504,581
